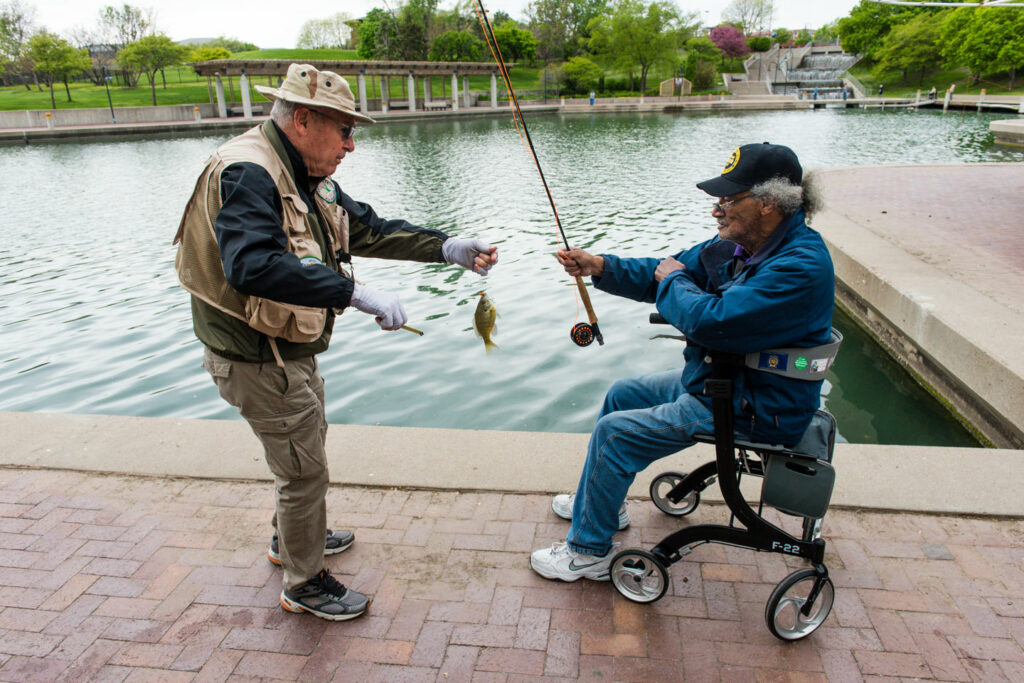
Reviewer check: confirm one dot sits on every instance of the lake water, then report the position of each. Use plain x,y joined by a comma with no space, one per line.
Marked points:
92,319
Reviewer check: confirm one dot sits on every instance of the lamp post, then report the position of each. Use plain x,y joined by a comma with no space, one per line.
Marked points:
106,84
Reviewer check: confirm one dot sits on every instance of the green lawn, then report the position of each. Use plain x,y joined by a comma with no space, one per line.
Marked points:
994,84
184,87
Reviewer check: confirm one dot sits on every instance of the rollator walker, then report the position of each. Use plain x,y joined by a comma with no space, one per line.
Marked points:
796,481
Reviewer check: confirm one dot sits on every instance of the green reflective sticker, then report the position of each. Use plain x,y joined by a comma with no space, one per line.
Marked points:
800,363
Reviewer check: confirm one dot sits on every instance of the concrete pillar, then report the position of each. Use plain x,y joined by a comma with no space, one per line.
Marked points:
981,98
49,120
465,92
243,83
455,92
426,91
494,90
222,107
361,80
385,93
412,92
1020,110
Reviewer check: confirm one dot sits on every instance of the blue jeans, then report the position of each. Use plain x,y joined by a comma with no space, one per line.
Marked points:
642,420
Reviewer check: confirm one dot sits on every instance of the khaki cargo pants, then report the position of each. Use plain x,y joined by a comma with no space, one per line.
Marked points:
285,408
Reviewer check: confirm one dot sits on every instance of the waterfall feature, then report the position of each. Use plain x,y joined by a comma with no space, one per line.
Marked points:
804,72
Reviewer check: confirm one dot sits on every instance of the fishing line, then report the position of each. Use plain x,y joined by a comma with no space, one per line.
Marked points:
581,334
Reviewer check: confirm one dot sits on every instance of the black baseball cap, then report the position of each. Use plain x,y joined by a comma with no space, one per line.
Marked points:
753,164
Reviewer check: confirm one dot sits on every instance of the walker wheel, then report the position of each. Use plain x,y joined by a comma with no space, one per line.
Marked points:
785,611
639,576
582,334
660,488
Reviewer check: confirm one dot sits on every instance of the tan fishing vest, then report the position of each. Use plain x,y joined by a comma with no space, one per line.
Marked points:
198,263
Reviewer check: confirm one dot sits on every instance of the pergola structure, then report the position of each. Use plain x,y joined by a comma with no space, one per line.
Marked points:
275,70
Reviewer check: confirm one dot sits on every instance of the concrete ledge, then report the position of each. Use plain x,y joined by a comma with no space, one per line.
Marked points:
1008,132
921,479
926,278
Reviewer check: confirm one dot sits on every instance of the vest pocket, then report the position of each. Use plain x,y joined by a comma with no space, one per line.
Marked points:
300,324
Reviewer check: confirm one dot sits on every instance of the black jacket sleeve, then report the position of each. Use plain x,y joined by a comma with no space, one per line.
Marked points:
253,247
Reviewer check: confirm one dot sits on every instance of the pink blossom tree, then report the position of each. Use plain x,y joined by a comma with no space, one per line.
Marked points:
730,41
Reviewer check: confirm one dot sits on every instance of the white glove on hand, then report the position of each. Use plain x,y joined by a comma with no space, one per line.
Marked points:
462,252
385,306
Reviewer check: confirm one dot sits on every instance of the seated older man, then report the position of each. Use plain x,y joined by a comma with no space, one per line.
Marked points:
765,281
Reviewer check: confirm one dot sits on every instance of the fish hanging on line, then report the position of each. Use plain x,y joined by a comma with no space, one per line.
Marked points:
485,320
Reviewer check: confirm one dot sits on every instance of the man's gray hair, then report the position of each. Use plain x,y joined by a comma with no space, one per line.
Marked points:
282,112
789,197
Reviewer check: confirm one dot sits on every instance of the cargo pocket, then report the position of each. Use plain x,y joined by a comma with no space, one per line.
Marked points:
293,445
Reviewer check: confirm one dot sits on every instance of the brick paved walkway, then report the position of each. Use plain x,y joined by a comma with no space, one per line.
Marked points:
130,578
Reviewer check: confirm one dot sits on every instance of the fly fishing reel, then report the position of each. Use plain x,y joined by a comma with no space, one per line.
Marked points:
584,334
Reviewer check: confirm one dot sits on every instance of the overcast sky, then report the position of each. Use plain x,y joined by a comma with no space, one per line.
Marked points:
263,22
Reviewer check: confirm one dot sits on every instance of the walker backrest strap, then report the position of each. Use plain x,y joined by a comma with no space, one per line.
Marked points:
806,363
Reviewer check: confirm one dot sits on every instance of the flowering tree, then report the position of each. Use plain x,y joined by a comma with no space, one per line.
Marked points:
730,41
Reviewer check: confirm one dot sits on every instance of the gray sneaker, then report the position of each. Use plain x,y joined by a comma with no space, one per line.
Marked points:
325,597
563,502
336,542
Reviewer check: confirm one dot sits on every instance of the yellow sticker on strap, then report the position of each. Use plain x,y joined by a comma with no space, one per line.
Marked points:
733,160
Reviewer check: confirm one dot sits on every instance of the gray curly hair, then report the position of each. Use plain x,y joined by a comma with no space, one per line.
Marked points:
789,197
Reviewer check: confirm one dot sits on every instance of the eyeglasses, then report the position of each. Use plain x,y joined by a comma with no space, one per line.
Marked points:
724,205
345,130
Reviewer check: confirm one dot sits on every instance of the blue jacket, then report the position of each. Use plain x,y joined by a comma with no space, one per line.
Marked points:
782,296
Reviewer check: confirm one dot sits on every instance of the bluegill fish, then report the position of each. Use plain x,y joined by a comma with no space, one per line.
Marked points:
485,320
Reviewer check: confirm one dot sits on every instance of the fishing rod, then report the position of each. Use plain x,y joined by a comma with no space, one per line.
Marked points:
582,334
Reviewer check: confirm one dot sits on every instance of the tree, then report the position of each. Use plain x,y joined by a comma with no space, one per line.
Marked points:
581,75
759,43
456,46
56,58
863,31
829,33
207,53
516,44
562,26
912,46
639,33
1011,55
378,34
16,25
751,15
698,66
124,25
983,40
782,36
803,36
151,54
729,40
331,32
232,45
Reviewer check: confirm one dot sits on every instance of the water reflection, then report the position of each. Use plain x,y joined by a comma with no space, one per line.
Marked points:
92,319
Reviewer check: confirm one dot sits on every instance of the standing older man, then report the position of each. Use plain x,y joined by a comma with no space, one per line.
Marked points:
765,281
263,249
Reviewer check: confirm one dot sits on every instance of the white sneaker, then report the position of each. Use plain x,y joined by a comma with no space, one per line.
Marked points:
563,502
565,564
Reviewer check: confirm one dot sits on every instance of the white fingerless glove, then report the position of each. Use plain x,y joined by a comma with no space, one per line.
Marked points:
462,252
385,306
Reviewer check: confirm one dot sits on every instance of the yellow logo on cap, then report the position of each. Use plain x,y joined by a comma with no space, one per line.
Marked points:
733,160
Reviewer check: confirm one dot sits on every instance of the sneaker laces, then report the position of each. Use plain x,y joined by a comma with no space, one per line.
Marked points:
336,589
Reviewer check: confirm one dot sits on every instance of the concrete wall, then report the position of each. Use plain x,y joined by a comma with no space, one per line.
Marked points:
36,118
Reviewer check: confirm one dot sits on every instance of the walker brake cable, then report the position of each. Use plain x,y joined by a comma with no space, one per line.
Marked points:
582,334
